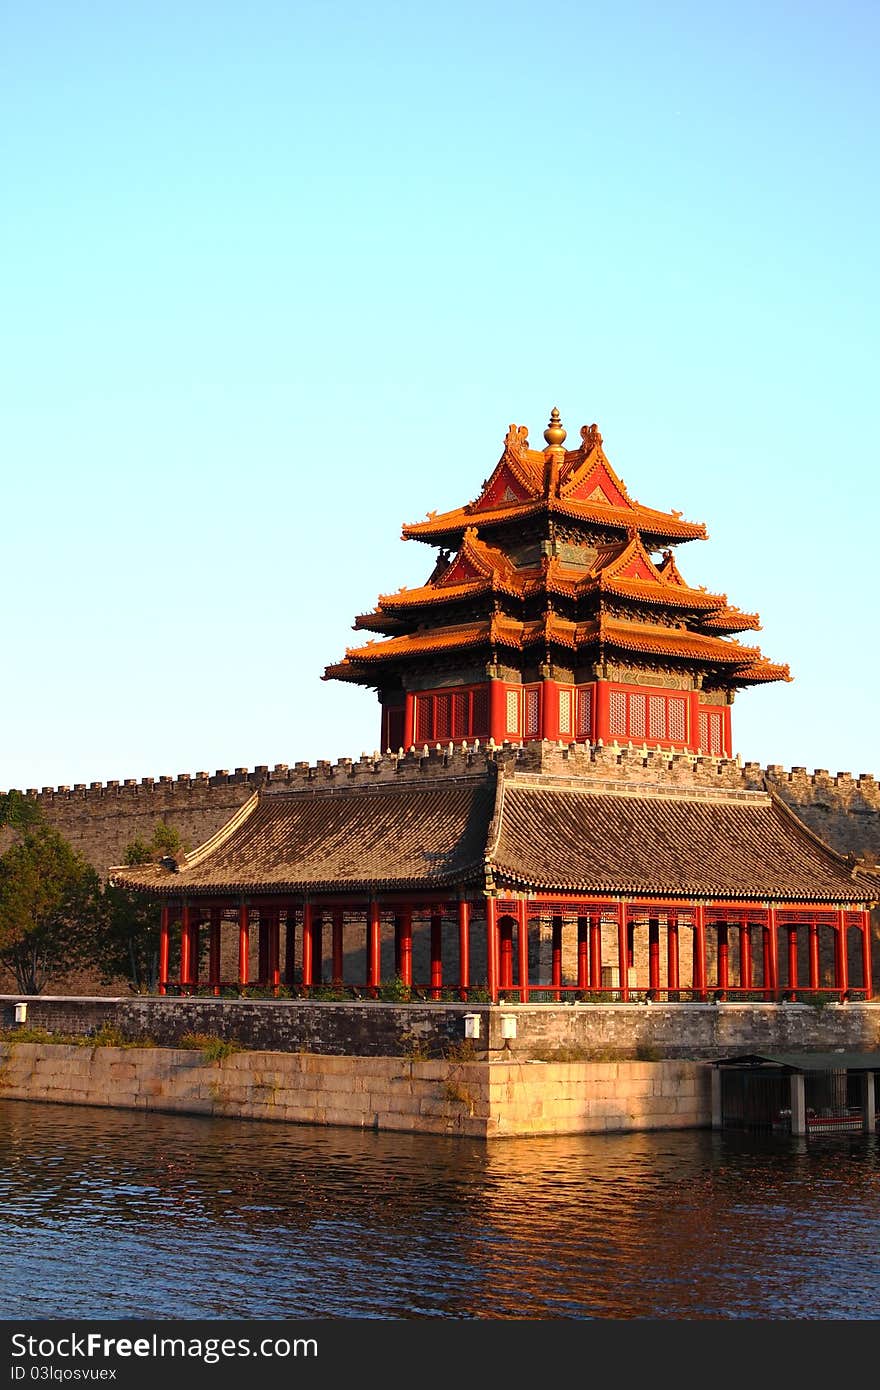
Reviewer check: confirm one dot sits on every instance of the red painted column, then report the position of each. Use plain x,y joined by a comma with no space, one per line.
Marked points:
522,945
185,947
623,952
163,948
275,947
745,955
843,954
699,978
505,953
406,946
307,943
243,942
765,953
630,944
409,720
556,958
337,946
814,955
654,954
603,720
214,950
464,947
317,948
290,945
595,950
374,943
195,923
728,734
436,954
773,951
497,711
583,953
550,711
672,972
723,955
792,956
866,954
492,948
694,721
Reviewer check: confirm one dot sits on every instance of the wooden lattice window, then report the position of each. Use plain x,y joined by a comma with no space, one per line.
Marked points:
712,731
617,713
637,705
479,712
677,721
512,708
532,710
565,711
657,716
585,711
444,716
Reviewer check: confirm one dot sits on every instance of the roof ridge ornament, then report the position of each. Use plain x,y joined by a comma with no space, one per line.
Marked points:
555,434
516,441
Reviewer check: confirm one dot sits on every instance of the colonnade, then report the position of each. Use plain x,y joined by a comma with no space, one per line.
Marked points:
600,935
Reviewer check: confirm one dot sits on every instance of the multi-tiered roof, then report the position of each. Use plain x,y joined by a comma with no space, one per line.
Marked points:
555,565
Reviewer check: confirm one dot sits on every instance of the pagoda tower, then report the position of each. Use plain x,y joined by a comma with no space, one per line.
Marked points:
556,610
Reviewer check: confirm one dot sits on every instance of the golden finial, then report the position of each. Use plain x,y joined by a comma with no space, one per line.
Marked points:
554,433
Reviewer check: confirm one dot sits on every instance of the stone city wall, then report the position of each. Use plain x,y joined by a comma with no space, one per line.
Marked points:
544,1032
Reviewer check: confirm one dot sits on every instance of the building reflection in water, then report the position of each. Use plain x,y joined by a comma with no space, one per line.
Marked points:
123,1214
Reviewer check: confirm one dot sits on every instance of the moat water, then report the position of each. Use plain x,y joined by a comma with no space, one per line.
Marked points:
120,1214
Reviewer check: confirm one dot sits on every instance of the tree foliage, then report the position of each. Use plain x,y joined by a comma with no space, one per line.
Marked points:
49,898
128,941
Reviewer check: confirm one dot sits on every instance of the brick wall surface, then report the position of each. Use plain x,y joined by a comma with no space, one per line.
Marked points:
547,1032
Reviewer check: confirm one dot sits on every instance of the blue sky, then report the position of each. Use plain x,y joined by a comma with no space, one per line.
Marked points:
276,278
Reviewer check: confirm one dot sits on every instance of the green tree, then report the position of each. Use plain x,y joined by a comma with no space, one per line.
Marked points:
127,940
49,899
17,812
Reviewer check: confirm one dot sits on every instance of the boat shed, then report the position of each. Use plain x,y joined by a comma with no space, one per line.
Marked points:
801,1093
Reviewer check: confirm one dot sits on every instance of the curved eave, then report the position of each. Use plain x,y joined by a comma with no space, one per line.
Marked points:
636,890
761,673
662,595
175,885
658,525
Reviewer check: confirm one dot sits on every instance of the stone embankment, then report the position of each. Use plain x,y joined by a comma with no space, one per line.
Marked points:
486,1071
480,1100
